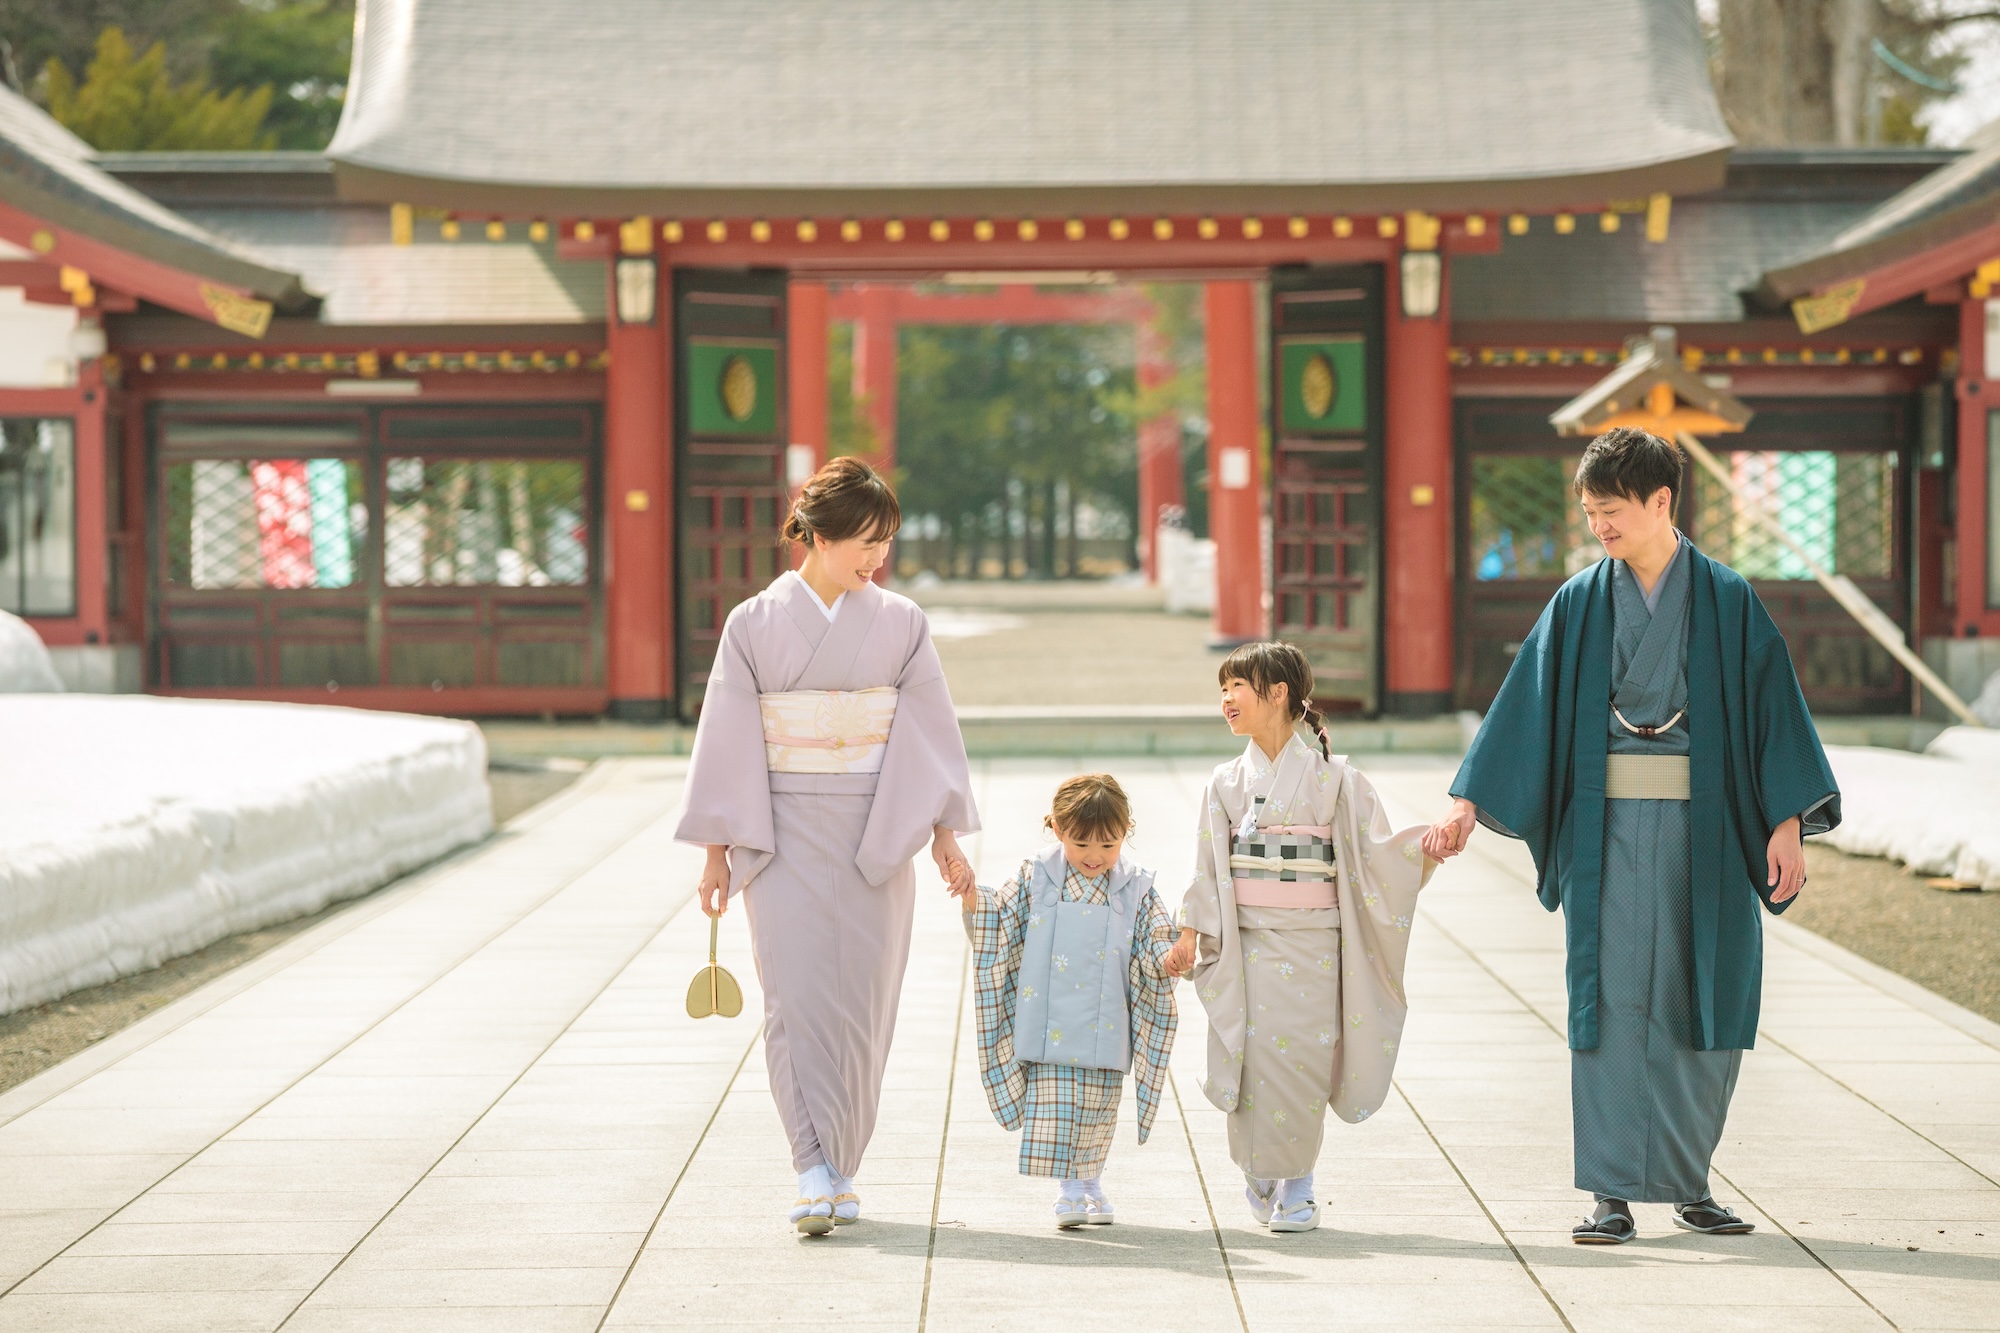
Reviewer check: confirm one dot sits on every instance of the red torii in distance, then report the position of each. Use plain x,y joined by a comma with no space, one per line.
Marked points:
878,309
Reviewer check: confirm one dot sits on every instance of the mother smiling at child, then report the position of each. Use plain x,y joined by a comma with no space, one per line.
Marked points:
826,756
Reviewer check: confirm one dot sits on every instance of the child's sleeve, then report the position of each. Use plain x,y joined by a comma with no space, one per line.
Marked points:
1201,907
1154,1015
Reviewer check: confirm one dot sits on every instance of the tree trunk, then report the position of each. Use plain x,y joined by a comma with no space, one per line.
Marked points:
1851,26
1075,545
1776,84
1049,529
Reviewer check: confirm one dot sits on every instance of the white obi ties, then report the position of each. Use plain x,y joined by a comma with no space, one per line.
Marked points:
827,731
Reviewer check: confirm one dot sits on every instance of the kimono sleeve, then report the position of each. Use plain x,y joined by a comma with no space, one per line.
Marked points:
1150,1001
1793,776
728,796
998,925
1201,906
925,781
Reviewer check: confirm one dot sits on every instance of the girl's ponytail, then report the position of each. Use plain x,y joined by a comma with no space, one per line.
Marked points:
1316,720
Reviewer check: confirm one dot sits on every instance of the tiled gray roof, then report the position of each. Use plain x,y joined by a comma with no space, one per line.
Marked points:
930,103
345,252
1952,201
49,173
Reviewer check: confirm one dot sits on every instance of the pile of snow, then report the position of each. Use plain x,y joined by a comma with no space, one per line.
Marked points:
134,830
1987,706
1937,812
24,660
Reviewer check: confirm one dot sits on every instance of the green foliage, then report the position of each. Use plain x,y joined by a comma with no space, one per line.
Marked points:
300,48
293,54
992,419
128,104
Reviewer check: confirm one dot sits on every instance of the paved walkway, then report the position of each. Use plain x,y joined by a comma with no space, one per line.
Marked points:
475,1102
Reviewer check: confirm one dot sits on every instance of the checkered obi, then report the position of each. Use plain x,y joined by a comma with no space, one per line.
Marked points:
1285,865
827,731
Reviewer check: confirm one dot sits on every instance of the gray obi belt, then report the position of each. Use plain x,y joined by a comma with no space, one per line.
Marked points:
1282,865
1073,1009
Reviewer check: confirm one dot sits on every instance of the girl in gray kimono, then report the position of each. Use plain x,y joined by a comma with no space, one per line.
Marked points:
1296,928
1071,994
826,756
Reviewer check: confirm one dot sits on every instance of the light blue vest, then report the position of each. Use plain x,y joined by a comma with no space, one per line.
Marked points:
1073,1007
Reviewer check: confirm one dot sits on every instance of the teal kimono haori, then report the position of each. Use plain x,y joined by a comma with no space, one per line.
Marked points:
1071,996
1645,747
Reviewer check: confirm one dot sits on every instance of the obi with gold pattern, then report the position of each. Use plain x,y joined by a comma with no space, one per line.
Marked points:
827,731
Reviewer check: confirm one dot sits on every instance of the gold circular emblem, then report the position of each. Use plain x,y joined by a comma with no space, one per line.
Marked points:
739,388
1317,386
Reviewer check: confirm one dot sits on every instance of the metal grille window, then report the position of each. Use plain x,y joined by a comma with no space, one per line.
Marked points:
502,522
38,516
1524,522
264,522
1841,507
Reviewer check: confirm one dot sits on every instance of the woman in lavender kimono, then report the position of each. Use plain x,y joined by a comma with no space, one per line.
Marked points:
827,755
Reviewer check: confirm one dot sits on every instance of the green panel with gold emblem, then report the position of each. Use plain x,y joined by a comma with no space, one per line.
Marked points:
732,388
1324,385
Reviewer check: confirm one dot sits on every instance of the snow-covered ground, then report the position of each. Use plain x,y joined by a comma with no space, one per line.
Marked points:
1937,812
134,830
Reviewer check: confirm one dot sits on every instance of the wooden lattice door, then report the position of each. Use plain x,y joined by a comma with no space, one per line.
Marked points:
1326,432
730,424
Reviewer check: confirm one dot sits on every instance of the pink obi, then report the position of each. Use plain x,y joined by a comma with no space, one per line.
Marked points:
1300,893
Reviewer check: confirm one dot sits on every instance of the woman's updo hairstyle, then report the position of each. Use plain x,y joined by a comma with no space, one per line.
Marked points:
1265,665
843,500
1090,808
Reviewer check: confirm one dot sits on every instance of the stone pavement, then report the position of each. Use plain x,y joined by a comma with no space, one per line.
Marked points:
474,1101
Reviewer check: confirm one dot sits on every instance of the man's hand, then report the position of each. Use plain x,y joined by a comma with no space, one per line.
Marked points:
1447,837
715,882
952,866
1180,959
1787,859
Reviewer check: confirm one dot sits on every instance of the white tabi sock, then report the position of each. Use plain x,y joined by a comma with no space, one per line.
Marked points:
816,1183
1075,1189
1296,1194
1093,1188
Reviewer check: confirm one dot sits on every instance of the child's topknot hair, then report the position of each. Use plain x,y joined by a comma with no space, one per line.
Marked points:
1089,808
1265,665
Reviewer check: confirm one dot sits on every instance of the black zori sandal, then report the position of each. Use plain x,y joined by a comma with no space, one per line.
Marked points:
1610,1225
1711,1219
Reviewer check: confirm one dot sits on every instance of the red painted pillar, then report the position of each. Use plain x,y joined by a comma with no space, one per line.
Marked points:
1235,484
875,368
1978,395
805,339
1417,507
1160,481
638,510
92,533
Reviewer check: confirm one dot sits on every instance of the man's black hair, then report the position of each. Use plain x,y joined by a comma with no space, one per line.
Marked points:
1633,463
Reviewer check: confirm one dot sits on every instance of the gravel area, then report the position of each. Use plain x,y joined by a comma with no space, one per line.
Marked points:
1066,643
1948,942
34,1039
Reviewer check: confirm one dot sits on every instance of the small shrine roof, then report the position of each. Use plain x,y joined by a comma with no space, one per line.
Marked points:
51,175
877,107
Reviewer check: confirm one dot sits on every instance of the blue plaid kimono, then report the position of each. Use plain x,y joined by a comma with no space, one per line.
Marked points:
1067,1114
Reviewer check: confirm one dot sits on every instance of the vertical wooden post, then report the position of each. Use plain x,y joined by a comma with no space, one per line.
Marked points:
805,341
93,547
1417,507
1160,482
875,368
1235,483
1978,395
638,509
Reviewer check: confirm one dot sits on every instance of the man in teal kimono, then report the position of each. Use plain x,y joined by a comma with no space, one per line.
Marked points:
1651,747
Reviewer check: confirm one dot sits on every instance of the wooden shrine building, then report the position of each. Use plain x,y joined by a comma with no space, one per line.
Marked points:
543,332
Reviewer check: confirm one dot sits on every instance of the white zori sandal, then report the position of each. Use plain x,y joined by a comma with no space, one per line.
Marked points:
846,1203
1262,1196
1072,1210
812,1213
1295,1210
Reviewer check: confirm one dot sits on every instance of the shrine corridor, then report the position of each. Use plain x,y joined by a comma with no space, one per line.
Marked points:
475,1101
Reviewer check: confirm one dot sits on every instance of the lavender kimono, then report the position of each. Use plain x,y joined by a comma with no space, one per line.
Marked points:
823,858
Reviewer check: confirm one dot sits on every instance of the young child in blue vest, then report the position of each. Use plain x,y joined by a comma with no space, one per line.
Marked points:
1071,994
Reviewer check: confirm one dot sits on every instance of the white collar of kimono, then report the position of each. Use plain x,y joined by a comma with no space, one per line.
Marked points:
828,611
1259,763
